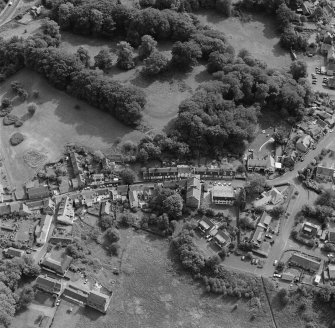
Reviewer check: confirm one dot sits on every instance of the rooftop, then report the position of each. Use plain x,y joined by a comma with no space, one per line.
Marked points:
223,192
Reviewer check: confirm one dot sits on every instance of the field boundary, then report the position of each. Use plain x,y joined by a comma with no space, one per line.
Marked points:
268,299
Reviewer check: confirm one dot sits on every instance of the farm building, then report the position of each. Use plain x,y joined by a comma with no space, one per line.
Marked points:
98,301
13,252
58,266
65,214
325,173
305,262
48,284
38,192
42,230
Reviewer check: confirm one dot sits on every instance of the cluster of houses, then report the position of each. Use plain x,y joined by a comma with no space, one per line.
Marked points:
210,230
83,296
186,171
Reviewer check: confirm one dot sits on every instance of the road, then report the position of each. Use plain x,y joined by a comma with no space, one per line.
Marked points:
9,11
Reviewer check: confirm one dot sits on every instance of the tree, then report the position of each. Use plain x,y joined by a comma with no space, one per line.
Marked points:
173,206
298,69
128,176
32,108
125,58
51,28
127,219
155,64
104,60
255,186
26,296
113,235
224,7
83,55
279,136
324,294
115,249
185,55
327,198
106,221
147,47
283,296
277,211
212,262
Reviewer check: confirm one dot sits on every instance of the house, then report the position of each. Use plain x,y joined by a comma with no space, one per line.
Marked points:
24,210
42,230
304,143
273,197
98,301
48,284
265,165
105,208
265,220
325,173
221,238
38,192
257,238
15,207
4,210
331,271
206,225
331,237
97,179
14,252
35,205
122,192
223,195
193,192
65,214
133,199
305,262
287,276
310,229
49,206
58,266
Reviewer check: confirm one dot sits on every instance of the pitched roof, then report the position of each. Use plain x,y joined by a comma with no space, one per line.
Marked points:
99,299
4,209
193,188
14,252
46,282
222,237
331,236
305,262
206,223
57,266
326,171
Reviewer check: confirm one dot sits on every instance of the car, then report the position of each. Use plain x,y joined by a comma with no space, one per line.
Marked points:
330,255
85,282
277,275
331,131
263,131
243,258
10,3
210,238
57,302
268,236
275,262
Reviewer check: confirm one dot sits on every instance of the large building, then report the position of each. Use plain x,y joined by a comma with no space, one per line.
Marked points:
58,266
325,173
305,262
42,230
65,214
193,192
48,284
38,192
264,165
98,301
223,195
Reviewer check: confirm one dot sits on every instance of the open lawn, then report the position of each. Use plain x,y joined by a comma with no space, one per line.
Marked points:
151,293
258,36
163,94
55,123
27,319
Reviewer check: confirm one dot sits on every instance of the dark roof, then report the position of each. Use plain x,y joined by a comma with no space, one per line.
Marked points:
305,262
46,282
4,209
38,192
57,266
98,299
13,252
206,223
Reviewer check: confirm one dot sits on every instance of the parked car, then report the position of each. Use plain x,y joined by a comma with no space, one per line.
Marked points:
277,275
268,236
243,258
275,262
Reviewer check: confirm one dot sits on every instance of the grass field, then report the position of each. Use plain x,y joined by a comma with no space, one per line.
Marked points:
55,123
258,36
150,292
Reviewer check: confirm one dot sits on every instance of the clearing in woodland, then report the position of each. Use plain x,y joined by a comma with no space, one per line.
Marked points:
258,36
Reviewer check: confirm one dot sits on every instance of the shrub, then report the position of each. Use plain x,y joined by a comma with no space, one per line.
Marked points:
115,249
18,123
6,102
16,138
32,108
36,94
10,119
113,235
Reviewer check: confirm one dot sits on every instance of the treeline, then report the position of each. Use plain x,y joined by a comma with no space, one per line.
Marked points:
13,297
67,72
290,36
215,278
222,6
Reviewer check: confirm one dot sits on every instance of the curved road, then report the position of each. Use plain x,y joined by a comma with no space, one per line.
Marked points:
9,11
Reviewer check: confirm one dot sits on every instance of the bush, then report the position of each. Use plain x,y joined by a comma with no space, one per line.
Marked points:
113,235
115,249
10,119
6,102
36,94
16,138
32,108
